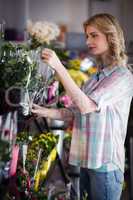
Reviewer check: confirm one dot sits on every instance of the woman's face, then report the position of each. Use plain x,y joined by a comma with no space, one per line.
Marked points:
96,41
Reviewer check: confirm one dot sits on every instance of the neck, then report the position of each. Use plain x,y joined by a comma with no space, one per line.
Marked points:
105,61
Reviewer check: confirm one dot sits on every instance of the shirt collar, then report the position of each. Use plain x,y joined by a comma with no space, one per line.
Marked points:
107,71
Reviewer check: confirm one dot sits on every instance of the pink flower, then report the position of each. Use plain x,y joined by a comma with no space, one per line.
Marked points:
52,90
65,100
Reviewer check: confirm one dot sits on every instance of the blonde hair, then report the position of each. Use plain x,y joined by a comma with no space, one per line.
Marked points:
109,26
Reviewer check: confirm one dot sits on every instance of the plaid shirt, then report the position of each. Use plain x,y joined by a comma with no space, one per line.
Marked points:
98,137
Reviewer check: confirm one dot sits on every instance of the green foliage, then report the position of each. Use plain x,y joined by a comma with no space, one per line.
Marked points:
17,61
23,138
15,64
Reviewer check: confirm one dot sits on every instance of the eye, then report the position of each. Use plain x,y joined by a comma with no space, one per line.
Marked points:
94,35
87,36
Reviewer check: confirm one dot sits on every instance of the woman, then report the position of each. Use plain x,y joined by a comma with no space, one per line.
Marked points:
100,110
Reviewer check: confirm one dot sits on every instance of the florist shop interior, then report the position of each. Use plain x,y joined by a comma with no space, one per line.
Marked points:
34,151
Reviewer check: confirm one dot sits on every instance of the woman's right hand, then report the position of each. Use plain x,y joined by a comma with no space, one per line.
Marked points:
50,57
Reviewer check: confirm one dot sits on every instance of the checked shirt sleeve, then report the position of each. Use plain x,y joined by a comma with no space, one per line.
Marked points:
113,88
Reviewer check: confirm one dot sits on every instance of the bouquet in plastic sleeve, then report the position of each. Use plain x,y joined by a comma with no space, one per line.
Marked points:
41,34
36,156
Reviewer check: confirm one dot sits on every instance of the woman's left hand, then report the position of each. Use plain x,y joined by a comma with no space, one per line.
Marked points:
38,110
49,56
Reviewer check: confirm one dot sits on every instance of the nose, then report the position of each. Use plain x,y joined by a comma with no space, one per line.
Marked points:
88,41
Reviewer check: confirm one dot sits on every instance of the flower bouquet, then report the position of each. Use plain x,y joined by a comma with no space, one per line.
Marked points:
36,155
21,67
42,33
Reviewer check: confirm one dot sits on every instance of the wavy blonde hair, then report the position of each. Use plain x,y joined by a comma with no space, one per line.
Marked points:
109,26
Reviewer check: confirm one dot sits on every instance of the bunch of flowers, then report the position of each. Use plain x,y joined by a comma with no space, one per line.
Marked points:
36,154
81,70
17,61
44,141
20,63
42,32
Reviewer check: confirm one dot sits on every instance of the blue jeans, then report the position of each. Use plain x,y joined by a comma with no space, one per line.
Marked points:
101,185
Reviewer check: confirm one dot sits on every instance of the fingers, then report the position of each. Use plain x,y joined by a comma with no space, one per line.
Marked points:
46,50
50,57
37,111
47,54
35,108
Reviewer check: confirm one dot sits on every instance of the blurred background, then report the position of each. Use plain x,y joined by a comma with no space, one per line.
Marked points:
70,15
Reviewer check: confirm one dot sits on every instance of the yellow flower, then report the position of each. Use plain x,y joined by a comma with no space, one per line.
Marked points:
74,64
92,70
78,76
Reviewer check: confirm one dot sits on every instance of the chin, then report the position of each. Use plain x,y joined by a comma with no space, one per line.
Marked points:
94,53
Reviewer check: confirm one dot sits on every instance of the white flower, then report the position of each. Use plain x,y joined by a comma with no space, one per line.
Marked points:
43,32
30,138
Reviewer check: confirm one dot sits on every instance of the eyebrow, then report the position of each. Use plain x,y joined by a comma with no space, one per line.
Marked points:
91,33
94,32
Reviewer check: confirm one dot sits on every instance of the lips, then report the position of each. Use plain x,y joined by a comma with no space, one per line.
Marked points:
92,49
